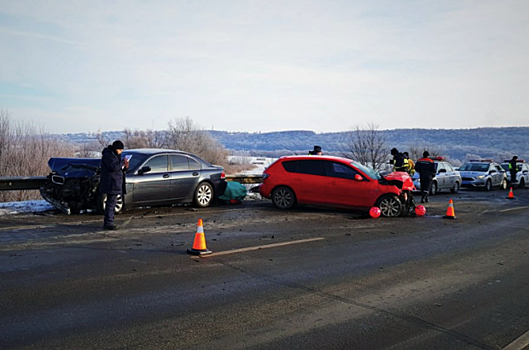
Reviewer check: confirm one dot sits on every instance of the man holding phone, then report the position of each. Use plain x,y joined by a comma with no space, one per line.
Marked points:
112,180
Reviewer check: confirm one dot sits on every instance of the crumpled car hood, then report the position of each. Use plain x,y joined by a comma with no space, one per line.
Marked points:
74,167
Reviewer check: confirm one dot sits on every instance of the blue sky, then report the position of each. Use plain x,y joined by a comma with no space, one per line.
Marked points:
244,65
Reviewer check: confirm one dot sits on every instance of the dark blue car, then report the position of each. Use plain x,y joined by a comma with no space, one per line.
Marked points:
155,177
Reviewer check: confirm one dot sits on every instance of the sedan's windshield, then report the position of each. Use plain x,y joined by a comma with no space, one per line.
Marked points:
475,167
369,172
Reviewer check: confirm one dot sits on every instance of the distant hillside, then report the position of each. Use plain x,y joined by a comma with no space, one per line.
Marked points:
457,144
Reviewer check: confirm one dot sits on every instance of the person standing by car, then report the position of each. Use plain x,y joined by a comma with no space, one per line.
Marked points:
112,181
513,169
316,151
426,168
399,162
411,164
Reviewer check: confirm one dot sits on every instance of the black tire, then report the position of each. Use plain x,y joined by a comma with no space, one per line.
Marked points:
203,195
102,200
390,205
488,185
522,183
434,189
283,197
455,189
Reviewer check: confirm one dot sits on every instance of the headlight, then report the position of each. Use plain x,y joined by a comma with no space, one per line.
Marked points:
480,177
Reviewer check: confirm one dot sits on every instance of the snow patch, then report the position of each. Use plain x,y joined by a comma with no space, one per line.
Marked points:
24,207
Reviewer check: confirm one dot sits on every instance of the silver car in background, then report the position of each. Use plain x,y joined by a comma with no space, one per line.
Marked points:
446,178
522,176
483,174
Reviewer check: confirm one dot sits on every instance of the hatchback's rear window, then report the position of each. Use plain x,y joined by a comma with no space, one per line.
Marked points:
310,167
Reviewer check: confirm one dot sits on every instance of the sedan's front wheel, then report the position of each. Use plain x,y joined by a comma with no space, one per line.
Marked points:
102,203
203,195
390,205
283,198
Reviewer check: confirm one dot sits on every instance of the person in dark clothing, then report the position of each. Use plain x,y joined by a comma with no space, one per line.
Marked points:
513,169
398,160
316,151
112,180
426,169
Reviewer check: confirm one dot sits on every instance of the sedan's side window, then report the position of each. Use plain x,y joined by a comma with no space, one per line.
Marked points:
440,166
193,164
179,163
449,167
158,164
340,170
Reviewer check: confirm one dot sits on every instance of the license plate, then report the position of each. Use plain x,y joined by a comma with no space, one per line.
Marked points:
466,182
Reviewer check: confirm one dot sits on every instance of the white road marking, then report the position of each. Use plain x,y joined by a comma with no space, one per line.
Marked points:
511,209
240,250
519,343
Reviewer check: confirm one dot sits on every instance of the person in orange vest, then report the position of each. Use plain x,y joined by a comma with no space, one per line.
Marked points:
426,169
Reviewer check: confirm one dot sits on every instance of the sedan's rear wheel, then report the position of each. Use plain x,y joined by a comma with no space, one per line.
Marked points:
434,189
389,205
283,198
455,189
203,195
102,203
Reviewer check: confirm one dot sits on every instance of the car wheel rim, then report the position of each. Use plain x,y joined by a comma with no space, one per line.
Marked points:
283,198
119,203
204,195
390,207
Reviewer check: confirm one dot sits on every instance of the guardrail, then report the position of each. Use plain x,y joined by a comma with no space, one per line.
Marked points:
35,182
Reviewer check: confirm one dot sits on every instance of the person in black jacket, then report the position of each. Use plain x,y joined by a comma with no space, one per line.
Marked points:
112,180
513,169
426,169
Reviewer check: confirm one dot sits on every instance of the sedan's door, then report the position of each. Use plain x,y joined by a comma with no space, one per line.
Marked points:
497,174
185,174
343,189
154,185
441,176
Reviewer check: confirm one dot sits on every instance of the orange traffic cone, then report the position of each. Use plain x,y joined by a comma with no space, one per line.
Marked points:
511,194
450,213
199,245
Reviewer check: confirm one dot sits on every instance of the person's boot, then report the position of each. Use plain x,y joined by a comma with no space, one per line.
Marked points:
110,227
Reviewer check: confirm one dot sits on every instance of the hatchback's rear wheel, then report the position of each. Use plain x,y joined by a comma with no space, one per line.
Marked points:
389,205
203,195
283,198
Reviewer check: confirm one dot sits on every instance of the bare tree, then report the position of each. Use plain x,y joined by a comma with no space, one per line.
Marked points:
25,151
416,150
367,146
185,135
145,139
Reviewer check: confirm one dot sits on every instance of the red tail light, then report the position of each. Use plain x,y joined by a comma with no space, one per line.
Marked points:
223,176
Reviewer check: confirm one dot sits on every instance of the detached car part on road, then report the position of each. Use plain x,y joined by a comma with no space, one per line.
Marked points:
336,182
155,177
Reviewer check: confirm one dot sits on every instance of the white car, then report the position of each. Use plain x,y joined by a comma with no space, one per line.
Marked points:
446,178
522,176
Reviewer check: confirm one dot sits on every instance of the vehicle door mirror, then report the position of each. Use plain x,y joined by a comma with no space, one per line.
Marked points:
144,170
442,171
492,172
358,177
525,172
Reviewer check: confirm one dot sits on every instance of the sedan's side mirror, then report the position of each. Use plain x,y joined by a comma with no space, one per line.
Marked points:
492,172
144,170
442,171
358,177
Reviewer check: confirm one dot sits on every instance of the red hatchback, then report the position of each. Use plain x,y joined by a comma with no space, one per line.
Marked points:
332,181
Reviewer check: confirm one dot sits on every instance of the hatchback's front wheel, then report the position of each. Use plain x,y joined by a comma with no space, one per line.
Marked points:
203,195
283,198
390,205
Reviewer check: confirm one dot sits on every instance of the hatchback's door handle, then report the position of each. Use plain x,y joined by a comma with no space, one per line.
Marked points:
165,176
195,174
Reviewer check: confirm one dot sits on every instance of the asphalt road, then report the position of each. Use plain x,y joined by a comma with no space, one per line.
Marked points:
303,279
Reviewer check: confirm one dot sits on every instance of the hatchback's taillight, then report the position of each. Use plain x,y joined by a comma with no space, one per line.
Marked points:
223,176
